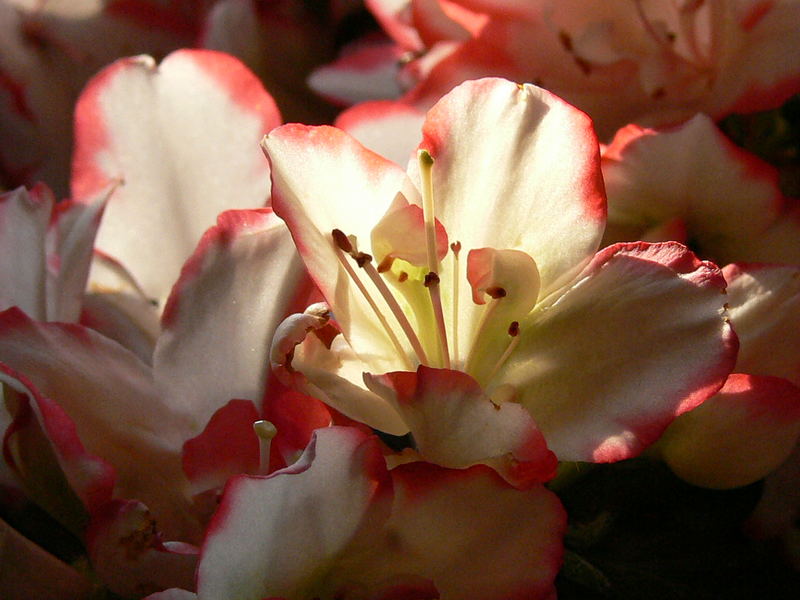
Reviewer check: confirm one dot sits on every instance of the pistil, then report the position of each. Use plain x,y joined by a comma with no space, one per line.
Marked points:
265,432
432,278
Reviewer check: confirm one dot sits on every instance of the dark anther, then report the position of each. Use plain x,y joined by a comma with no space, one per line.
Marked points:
513,329
402,277
431,279
385,264
496,292
340,239
362,258
455,247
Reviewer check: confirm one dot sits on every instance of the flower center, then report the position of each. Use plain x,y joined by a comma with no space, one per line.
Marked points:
411,247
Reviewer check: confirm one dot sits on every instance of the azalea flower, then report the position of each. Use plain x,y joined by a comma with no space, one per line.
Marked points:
692,184
482,259
662,62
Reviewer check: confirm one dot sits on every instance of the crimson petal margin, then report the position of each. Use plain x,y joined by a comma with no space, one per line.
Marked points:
640,338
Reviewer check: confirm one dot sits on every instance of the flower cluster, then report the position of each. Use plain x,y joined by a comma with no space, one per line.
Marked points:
388,358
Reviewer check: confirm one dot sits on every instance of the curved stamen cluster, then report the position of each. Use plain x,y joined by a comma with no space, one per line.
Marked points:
364,261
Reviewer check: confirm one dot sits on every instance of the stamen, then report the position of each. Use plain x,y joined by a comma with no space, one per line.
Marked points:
403,276
432,283
513,332
429,216
364,261
341,241
266,432
361,258
456,248
496,292
386,264
431,279
397,311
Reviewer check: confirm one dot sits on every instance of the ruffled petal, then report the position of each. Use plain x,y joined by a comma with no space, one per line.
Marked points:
390,128
70,243
117,306
295,417
129,320
440,21
182,139
172,594
278,535
401,234
725,196
47,250
24,217
42,448
330,372
541,192
227,446
638,339
366,71
394,17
